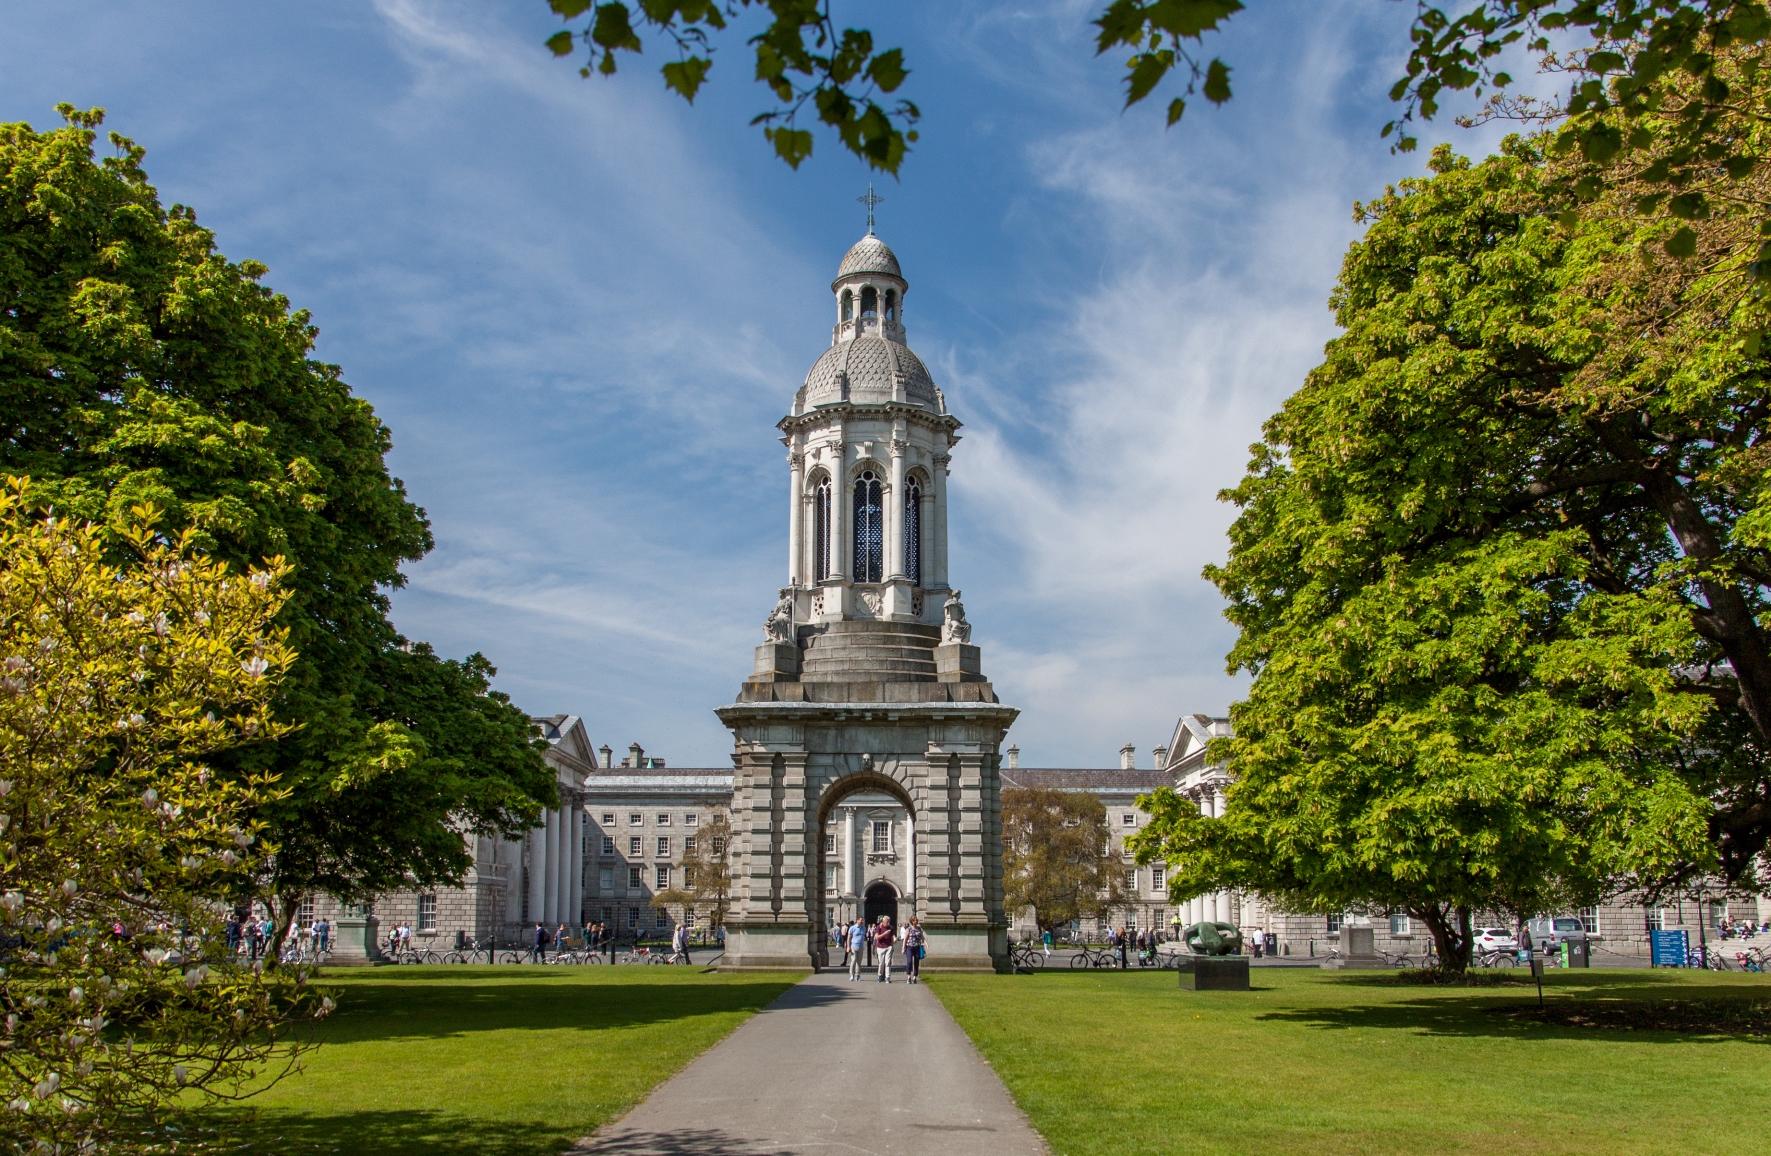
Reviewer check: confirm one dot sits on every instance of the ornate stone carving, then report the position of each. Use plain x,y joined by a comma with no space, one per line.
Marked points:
954,627
872,602
916,603
818,603
779,625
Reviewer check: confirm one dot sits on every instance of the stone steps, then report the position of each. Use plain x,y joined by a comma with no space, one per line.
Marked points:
869,651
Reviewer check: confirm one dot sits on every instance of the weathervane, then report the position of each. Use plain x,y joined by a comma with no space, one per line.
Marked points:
871,199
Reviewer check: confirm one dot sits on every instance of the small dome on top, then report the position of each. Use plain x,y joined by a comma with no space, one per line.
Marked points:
870,255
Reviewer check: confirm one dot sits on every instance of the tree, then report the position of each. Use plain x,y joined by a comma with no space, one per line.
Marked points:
140,365
1057,856
1500,592
118,842
705,874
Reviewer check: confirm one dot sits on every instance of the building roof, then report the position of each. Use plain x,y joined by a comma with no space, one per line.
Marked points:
869,255
1087,779
869,367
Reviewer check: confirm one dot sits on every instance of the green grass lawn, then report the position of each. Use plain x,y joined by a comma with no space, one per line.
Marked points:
1125,1064
496,1061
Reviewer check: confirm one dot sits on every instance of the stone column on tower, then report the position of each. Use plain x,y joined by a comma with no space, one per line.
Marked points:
796,482
550,871
938,548
851,855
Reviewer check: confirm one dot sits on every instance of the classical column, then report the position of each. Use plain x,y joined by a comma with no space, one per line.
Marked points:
550,869
796,479
851,870
537,872
938,544
910,859
842,515
894,513
574,863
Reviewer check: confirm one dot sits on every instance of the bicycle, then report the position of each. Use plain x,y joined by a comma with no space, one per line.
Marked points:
1093,957
1495,957
1025,958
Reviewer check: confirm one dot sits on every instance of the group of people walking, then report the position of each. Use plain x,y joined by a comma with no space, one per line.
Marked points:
253,937
856,937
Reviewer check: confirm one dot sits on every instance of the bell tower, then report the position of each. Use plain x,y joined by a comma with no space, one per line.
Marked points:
867,679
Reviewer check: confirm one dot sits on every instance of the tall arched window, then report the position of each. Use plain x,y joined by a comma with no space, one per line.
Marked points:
869,528
848,305
913,533
821,530
891,304
869,301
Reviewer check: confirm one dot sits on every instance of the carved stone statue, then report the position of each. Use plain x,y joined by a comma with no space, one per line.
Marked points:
1213,939
779,626
954,627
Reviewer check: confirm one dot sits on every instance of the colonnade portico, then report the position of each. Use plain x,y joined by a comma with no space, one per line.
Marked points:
1208,794
553,857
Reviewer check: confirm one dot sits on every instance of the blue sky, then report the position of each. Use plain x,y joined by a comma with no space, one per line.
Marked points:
581,306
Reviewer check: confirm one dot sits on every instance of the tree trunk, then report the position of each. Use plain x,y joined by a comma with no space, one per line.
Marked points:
1451,935
283,909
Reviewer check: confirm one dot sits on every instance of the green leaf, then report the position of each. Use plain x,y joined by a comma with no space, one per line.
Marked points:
569,9
1217,81
1682,243
887,70
1601,142
1147,71
792,145
1604,61
613,30
1689,206
686,76
1738,167
1176,107
560,43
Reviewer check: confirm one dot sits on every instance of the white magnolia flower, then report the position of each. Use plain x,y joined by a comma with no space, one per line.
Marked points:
47,1085
68,887
180,1073
255,666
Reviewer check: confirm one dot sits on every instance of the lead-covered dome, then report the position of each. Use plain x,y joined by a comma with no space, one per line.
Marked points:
872,367
870,255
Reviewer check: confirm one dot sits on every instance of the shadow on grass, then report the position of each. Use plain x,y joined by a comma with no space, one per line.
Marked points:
297,1133
1698,1015
405,1009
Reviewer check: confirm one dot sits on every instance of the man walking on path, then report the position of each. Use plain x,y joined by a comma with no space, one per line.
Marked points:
857,940
882,947
538,948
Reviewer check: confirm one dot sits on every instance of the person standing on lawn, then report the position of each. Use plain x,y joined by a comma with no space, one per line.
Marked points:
882,947
857,939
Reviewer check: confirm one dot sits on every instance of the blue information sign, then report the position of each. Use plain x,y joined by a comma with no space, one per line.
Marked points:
1669,948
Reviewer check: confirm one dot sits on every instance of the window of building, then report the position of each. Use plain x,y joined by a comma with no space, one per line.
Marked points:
427,913
830,876
1399,925
821,530
1589,919
869,301
661,919
664,845
882,837
691,819
633,878
830,842
663,877
913,533
663,819
304,912
891,309
688,875
633,845
606,880
1128,820
633,917
719,845
608,818
1158,878
635,819
848,305
609,915
1718,912
869,528
608,844
1159,918
1654,918
688,844
1334,924
1131,879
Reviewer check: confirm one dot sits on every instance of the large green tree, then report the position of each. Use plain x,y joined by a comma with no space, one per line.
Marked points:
138,364
1501,587
1058,857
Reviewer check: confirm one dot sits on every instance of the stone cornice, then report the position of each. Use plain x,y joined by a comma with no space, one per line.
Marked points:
852,410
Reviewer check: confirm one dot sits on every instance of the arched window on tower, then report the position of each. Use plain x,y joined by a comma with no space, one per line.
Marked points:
913,533
821,530
869,528
891,304
869,301
848,305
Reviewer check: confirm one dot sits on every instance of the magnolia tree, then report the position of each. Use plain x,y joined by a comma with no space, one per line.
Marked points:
118,846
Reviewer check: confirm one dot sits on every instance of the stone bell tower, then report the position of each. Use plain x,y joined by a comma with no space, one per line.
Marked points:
867,680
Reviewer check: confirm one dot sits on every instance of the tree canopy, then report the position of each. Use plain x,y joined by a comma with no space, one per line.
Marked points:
138,364
1499,575
1057,855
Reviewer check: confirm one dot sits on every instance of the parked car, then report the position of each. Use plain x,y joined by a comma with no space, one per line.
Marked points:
1495,939
1550,933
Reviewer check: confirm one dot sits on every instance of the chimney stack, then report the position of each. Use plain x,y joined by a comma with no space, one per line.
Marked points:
1128,757
1013,762
1161,754
608,757
636,756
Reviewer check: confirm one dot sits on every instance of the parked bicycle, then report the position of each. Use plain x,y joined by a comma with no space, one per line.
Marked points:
1094,957
1026,957
1495,957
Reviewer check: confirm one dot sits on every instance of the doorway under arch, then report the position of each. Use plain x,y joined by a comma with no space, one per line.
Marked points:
880,899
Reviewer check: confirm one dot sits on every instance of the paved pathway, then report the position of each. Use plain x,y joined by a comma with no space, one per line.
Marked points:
832,1068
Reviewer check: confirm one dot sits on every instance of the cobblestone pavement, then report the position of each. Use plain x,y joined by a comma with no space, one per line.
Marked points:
833,1066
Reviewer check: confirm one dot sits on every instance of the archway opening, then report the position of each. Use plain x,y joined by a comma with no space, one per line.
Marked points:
881,899
865,837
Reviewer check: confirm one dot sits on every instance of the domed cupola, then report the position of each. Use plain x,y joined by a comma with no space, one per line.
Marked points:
869,255
869,290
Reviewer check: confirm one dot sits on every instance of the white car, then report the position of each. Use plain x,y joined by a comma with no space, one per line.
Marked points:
1495,939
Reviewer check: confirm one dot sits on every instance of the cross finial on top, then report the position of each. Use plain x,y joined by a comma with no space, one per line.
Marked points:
871,199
